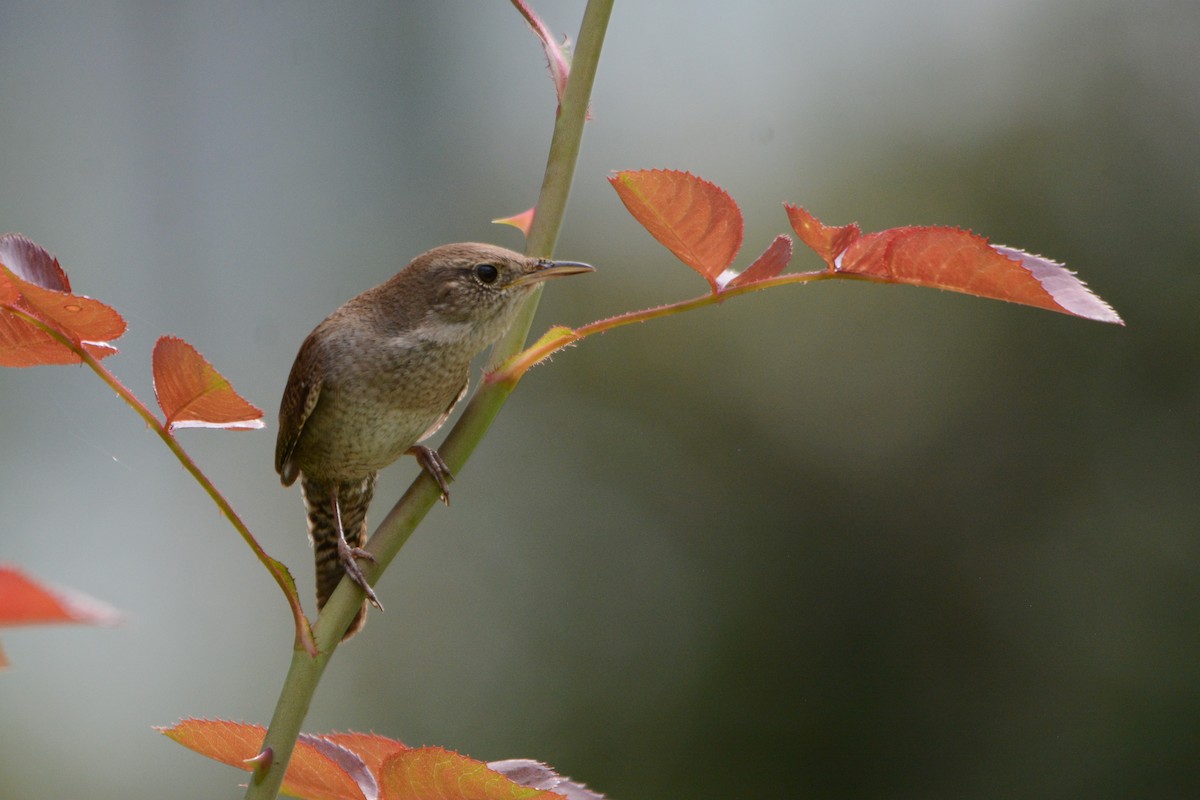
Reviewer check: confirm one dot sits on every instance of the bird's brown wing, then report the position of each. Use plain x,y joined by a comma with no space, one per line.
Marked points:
432,429
299,398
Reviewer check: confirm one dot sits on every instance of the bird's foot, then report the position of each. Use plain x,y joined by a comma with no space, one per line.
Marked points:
431,461
349,557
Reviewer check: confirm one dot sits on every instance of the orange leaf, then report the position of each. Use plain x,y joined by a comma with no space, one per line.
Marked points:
536,775
773,261
432,772
22,344
960,261
372,748
694,219
522,222
192,394
325,759
1067,291
32,262
32,282
340,766
318,770
24,601
828,241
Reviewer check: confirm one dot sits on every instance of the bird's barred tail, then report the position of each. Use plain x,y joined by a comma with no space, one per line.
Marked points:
353,499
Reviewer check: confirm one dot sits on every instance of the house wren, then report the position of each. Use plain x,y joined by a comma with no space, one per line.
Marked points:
382,374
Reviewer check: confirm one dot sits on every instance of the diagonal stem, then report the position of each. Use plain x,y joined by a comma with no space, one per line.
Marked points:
304,637
305,672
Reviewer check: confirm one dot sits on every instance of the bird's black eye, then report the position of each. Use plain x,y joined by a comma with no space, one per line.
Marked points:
487,273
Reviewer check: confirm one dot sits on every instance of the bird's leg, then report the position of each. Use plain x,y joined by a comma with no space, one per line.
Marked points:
349,555
431,461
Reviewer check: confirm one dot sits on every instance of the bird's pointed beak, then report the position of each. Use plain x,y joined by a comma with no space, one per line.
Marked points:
546,269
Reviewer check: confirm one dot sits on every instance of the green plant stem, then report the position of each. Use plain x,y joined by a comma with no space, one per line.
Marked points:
304,639
560,162
395,529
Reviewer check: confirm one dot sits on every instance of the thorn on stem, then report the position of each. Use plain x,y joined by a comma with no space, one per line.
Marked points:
262,763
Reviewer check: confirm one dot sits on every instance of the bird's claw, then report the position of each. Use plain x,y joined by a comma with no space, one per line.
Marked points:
349,557
431,461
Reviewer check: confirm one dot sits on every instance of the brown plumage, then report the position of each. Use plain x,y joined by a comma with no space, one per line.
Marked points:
381,374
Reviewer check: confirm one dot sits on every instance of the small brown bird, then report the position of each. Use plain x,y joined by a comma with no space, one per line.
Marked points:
380,375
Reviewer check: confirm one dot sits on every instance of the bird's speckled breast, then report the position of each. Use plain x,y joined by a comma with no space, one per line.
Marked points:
371,410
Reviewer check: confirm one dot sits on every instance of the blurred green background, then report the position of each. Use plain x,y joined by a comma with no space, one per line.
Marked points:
843,541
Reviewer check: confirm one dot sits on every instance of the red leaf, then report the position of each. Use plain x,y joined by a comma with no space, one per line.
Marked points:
773,261
694,219
828,241
960,261
24,601
192,394
317,771
32,281
431,772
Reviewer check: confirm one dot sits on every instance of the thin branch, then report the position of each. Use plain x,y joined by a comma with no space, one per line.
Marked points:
511,371
278,571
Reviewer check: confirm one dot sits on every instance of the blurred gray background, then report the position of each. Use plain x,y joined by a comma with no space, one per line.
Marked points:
845,541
